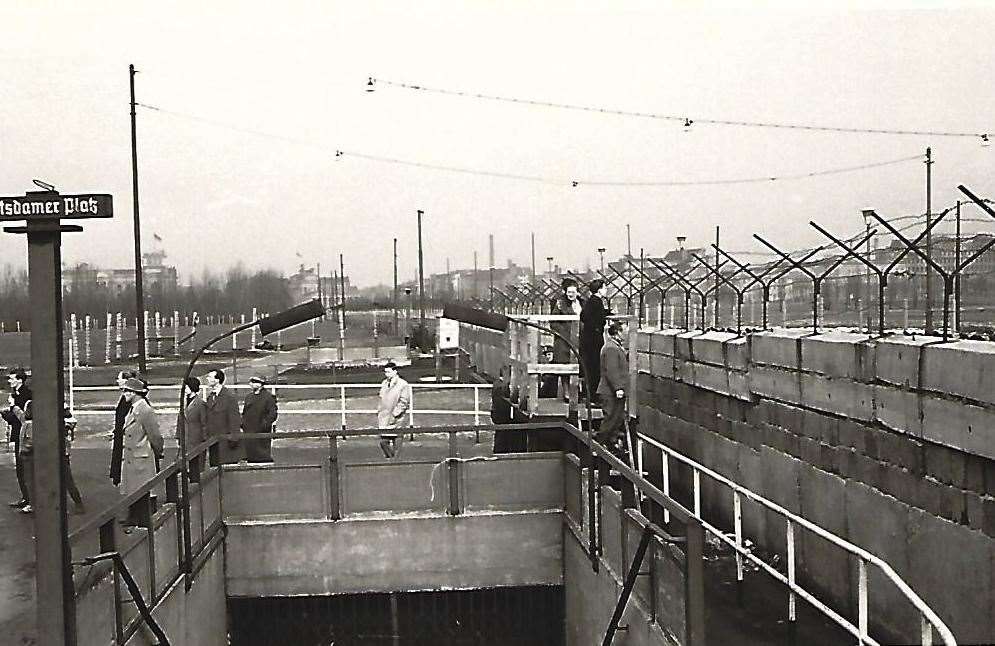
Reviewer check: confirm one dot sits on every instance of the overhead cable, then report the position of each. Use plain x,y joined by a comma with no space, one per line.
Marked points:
686,119
532,178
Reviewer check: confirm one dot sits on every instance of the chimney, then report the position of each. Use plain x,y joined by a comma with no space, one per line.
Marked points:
490,246
680,242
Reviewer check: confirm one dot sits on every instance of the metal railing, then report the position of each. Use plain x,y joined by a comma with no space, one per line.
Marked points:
929,621
340,394
139,510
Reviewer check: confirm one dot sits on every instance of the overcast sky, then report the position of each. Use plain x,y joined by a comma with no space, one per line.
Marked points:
218,195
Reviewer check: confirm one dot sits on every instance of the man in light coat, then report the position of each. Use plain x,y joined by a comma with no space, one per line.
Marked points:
614,384
222,418
143,442
395,398
258,416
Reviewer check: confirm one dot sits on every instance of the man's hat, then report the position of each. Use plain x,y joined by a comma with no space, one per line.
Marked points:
135,385
259,379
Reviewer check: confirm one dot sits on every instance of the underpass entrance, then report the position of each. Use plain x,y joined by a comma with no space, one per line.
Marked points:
524,616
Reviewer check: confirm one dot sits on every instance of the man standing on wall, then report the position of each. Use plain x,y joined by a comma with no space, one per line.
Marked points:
222,418
613,386
395,397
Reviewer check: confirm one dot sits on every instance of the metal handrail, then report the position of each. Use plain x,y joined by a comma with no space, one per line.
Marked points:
136,593
340,395
860,630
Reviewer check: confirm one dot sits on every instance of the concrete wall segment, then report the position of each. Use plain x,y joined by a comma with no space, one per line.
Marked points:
776,348
962,368
963,426
837,354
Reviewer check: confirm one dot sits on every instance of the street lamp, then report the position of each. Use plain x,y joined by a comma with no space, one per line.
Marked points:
601,252
267,325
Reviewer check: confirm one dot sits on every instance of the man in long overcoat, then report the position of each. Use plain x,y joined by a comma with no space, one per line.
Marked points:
222,418
143,442
258,416
614,384
195,418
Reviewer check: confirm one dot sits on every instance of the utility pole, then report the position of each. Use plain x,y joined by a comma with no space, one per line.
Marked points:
957,278
421,276
867,275
628,240
320,299
929,241
341,308
533,255
715,316
475,291
394,298
139,292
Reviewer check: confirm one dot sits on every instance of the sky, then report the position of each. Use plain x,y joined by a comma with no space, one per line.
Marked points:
238,164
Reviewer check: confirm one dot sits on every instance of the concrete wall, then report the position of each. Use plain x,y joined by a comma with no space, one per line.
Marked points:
889,443
395,532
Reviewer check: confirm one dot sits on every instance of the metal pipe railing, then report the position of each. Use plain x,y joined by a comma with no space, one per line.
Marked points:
929,620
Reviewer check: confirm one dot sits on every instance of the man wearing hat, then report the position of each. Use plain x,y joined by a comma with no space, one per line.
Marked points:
258,416
143,442
222,418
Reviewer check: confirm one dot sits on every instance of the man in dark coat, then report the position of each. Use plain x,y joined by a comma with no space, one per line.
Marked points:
120,413
592,330
195,418
20,395
614,384
258,416
222,418
501,413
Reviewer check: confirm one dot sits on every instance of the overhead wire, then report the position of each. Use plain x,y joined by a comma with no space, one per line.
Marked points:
686,118
574,182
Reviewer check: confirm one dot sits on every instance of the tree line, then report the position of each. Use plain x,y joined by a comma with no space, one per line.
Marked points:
235,290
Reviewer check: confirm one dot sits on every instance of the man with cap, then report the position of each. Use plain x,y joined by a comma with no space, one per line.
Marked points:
222,418
395,397
258,416
143,442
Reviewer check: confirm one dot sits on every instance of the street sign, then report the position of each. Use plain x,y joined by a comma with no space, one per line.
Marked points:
49,205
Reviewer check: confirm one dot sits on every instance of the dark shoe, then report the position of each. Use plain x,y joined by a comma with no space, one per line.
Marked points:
17,505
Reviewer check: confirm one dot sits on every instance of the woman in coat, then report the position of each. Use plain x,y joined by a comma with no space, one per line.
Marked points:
592,334
142,442
568,304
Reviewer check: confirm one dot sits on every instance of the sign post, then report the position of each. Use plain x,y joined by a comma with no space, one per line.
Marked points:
42,212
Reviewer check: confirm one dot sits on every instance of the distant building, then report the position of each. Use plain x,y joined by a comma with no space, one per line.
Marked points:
304,286
157,276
